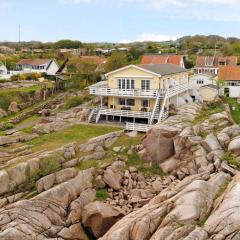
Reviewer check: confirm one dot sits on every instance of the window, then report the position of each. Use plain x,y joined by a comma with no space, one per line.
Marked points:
144,103
200,81
145,84
126,84
122,101
119,83
130,102
126,102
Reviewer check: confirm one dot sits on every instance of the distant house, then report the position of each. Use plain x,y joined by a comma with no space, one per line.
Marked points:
78,51
99,61
94,59
3,69
211,64
231,77
201,79
101,51
3,72
163,59
48,66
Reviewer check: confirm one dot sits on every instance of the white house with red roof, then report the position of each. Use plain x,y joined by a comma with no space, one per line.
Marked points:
211,64
231,77
47,66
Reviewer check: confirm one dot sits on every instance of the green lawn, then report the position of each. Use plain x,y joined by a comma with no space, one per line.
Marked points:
207,111
78,133
235,113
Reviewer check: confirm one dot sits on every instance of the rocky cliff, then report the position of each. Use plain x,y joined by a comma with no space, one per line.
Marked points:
204,156
186,187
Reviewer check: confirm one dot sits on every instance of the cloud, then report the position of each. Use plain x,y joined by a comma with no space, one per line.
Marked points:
144,37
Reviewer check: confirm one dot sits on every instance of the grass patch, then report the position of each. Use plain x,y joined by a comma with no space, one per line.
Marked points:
236,112
126,141
231,160
145,167
207,111
101,194
88,164
76,133
49,165
31,119
221,190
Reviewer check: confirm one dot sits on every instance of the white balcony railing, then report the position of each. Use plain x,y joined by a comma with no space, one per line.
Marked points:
172,91
125,113
122,92
138,127
101,89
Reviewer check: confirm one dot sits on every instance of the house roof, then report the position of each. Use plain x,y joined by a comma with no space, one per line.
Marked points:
163,69
33,61
213,61
229,73
161,59
94,59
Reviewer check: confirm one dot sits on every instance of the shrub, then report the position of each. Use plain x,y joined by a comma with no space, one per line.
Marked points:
73,102
231,159
101,194
7,126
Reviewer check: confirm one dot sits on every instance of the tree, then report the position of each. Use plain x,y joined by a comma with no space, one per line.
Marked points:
67,44
115,61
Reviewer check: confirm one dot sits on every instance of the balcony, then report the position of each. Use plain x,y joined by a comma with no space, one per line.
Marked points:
123,92
125,113
101,89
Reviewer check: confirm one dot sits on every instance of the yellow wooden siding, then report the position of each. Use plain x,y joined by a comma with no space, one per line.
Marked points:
155,81
129,73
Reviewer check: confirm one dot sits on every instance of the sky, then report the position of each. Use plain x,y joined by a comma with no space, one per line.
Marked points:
117,20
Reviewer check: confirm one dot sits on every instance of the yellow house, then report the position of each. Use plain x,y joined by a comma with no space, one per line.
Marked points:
140,94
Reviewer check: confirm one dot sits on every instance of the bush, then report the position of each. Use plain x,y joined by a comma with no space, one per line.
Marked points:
73,102
26,76
76,101
231,160
7,126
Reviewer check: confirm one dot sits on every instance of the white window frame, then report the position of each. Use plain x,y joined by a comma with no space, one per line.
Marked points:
126,84
145,84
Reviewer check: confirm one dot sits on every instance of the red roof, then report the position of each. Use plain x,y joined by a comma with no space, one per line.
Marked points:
162,59
214,61
33,61
94,59
229,73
